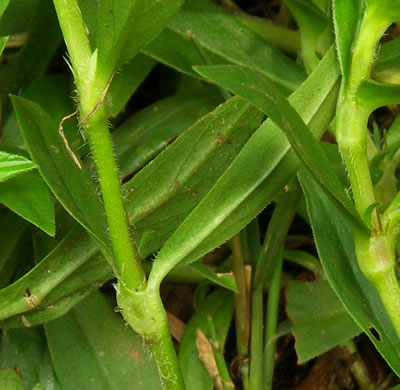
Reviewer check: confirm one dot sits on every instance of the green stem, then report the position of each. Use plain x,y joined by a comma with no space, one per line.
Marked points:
127,264
278,36
76,39
269,255
145,312
274,240
257,337
242,301
352,116
140,304
271,323
375,254
358,368
163,349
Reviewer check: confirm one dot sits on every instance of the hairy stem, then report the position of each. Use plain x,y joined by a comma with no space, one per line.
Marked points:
140,304
375,254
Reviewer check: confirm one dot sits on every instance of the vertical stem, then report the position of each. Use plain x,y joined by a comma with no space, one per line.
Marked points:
358,368
162,346
375,254
141,304
242,301
352,116
257,338
127,263
269,256
271,323
76,39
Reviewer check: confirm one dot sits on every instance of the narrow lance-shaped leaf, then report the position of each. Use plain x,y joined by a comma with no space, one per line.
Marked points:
168,188
150,130
347,16
126,26
257,89
144,135
312,23
258,173
71,185
335,244
61,262
225,40
374,94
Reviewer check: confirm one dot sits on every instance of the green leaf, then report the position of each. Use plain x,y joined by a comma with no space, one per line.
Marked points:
304,259
144,135
93,349
25,349
3,7
12,229
258,173
186,171
219,305
226,280
392,138
12,165
335,244
312,23
10,380
30,290
389,56
320,321
16,16
121,20
74,269
30,63
374,94
282,38
226,39
347,16
126,81
260,91
77,249
3,43
323,5
149,131
71,185
27,195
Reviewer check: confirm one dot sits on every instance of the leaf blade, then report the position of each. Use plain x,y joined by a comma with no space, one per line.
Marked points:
261,169
71,185
12,164
258,90
335,244
320,321
27,195
346,17
110,354
119,20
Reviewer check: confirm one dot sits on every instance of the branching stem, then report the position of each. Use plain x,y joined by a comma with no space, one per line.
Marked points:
375,254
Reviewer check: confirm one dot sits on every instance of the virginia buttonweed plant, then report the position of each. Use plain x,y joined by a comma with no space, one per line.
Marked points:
107,180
